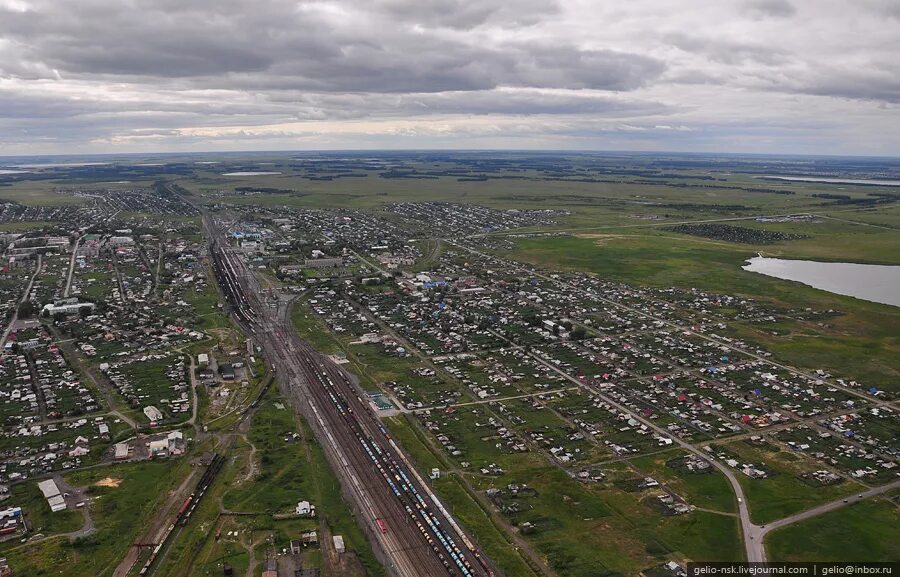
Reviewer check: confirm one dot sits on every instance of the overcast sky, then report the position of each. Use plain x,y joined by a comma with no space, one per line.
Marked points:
785,76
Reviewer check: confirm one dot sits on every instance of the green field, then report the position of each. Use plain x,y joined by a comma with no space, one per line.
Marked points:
783,493
39,193
287,472
23,226
311,328
864,531
706,490
119,514
628,198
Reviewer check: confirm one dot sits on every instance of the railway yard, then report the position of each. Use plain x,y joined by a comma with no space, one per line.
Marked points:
376,476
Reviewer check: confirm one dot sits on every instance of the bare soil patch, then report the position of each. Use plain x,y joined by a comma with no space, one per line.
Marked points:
108,482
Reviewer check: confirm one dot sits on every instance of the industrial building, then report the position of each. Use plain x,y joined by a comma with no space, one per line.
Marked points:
153,414
323,262
66,307
52,494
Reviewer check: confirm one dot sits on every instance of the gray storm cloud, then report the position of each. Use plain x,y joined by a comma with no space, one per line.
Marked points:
100,74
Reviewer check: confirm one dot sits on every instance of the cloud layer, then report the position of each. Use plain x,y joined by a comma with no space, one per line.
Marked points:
801,76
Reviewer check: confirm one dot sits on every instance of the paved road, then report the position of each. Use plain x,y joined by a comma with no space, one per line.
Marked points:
72,267
15,315
860,223
194,401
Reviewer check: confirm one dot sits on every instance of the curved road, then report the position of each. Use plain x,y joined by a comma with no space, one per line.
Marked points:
761,531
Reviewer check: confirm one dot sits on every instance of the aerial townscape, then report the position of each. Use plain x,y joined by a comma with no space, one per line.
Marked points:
468,364
449,288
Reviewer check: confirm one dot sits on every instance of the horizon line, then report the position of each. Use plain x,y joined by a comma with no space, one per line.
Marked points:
446,150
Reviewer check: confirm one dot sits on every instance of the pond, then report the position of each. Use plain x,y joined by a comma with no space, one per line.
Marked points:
250,173
870,282
835,180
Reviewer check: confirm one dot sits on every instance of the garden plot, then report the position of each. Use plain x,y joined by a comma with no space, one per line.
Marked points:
475,439
339,315
12,284
534,419
525,334
521,370
611,320
659,397
587,361
779,389
622,354
157,380
875,427
93,279
778,483
484,378
18,399
433,326
38,449
117,330
50,284
136,278
61,388
694,392
422,387
861,463
685,349
619,431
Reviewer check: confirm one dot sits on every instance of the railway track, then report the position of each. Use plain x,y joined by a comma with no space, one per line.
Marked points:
183,516
404,519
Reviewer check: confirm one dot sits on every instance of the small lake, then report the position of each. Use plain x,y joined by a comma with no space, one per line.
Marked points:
835,180
249,173
870,282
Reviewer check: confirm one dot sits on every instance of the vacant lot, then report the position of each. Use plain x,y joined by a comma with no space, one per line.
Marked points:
864,531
